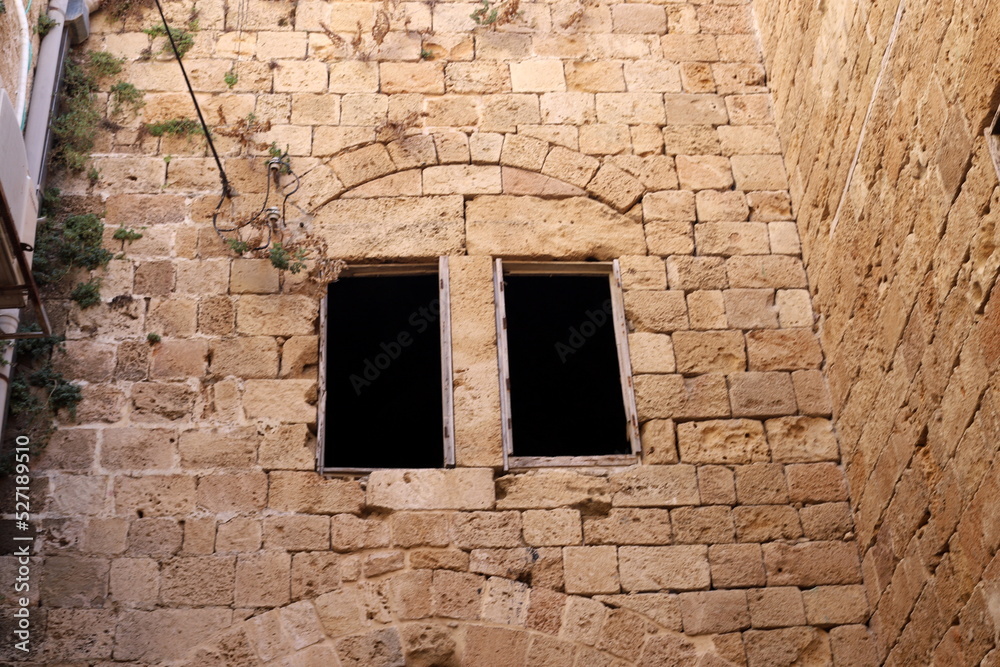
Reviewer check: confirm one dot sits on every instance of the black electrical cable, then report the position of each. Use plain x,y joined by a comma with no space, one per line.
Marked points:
227,190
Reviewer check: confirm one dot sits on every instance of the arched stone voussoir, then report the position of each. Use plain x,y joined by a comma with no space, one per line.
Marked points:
442,618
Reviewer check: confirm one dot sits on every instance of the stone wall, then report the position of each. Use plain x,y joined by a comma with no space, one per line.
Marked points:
183,518
881,109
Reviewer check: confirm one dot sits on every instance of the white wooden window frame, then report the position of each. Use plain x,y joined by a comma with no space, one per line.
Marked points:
447,378
613,271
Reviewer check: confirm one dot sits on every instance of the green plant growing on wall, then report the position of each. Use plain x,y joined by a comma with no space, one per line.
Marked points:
88,294
231,78
153,338
44,25
282,258
183,37
175,127
64,245
125,96
127,234
493,13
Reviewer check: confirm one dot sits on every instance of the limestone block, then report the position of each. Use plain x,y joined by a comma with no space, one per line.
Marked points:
756,394
154,537
485,147
574,108
138,449
812,393
462,489
669,238
656,486
696,273
537,76
253,276
628,525
749,140
238,535
712,612
669,205
69,450
802,439
439,559
523,152
381,562
69,581
651,353
835,605
709,351
816,482
658,442
162,401
630,108
505,602
698,78
591,570
329,140
716,485
452,111
761,483
315,109
144,210
695,110
309,493
853,643
206,276
656,311
85,360
363,164
339,611
544,489
723,441
392,228
684,47
558,527
722,206
486,529
315,573
105,536
179,359
218,448
732,238
759,172
652,76
462,179
216,315
764,523
750,308
641,19
172,317
783,349
477,77
776,607
647,140
704,172
736,566
296,532
812,564
198,581
794,308
245,357
605,139
521,182
676,397
595,76
768,206
706,309
774,271
166,634
486,645
276,315
457,594
615,187
135,581
570,166
505,113
262,579
420,77
410,529
413,151
528,227
826,521
583,619
285,401
232,492
702,525
516,563
676,568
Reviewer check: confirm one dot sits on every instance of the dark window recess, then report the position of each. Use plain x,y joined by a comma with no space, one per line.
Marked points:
565,386
383,405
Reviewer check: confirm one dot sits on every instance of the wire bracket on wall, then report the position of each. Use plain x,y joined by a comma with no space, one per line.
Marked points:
257,232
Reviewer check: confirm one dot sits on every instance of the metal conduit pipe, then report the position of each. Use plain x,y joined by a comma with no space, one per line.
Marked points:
37,140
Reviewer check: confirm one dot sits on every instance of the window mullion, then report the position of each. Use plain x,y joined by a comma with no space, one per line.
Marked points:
624,360
503,362
447,374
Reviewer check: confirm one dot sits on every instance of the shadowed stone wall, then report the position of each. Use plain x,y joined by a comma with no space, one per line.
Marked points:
181,506
881,109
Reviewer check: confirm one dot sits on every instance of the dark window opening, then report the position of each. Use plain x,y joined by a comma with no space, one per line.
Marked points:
384,373
565,383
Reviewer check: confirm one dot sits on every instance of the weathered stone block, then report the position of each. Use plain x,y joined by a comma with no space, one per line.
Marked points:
658,486
712,612
464,489
677,568
812,564
546,528
310,493
658,442
591,570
